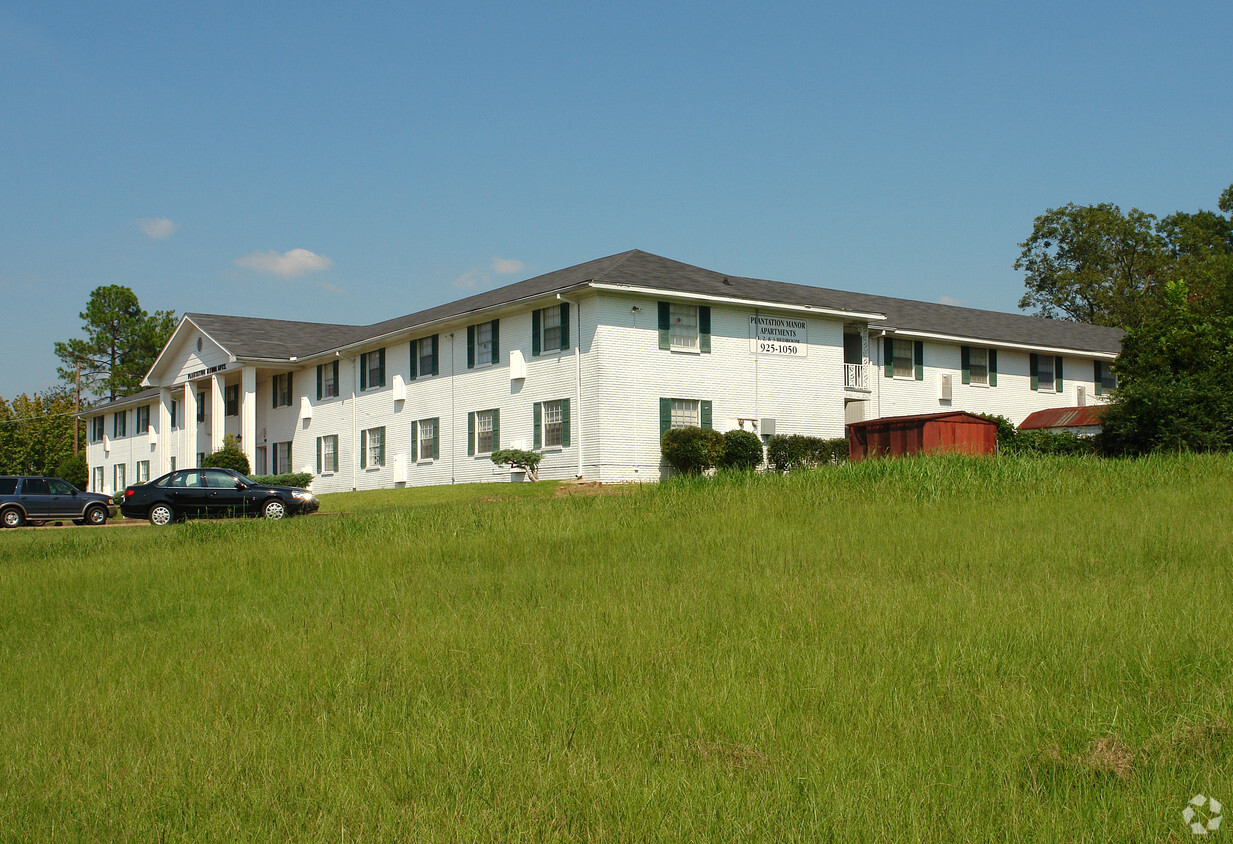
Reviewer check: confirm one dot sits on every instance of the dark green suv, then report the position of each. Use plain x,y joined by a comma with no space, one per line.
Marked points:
35,499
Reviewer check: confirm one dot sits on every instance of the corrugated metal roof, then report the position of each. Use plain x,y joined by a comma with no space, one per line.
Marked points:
1064,417
918,417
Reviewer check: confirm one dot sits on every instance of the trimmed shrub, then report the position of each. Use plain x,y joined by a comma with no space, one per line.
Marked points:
228,457
1052,442
300,480
692,450
528,461
742,450
74,470
797,451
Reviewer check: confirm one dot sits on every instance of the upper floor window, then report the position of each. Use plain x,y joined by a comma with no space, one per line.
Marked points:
550,329
1046,373
98,427
143,419
201,408
903,360
980,366
684,328
119,424
1104,377
231,396
482,344
281,388
327,380
372,370
424,356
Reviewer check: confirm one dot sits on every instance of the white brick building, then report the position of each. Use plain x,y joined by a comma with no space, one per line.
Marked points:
588,364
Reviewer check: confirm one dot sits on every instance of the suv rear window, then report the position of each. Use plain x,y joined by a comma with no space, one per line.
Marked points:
8,486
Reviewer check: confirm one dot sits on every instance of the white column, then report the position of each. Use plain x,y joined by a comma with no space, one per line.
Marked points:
188,455
162,465
218,411
248,414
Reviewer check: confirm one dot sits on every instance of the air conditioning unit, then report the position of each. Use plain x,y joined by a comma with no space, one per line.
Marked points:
944,387
1081,396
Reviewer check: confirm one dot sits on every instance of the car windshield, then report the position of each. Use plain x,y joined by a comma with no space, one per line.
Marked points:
59,487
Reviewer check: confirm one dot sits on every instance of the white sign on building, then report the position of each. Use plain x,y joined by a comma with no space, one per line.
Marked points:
777,336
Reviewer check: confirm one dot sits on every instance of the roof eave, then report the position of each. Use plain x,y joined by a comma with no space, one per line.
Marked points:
736,300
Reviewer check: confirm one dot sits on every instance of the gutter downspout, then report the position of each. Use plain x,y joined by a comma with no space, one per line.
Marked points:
355,456
577,375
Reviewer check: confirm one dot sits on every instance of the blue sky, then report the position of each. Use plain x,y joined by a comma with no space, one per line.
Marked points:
351,162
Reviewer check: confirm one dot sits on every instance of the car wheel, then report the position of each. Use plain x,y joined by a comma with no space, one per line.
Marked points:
11,518
161,515
96,516
274,509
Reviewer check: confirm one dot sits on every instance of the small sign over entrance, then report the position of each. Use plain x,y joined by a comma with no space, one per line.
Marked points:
770,335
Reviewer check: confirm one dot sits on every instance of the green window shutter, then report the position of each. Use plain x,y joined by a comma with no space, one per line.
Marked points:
564,325
415,442
336,388
1096,377
290,389
704,329
564,423
537,419
965,363
535,321
364,449
993,367
496,346
704,409
381,372
1057,374
273,396
363,371
1034,370
470,347
918,354
318,455
319,368
496,430
381,450
436,438
665,325
436,349
665,415
888,356
415,359
471,434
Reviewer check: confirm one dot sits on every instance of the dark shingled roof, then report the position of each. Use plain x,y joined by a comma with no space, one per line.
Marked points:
250,337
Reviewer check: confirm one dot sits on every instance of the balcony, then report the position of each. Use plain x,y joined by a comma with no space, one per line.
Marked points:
855,377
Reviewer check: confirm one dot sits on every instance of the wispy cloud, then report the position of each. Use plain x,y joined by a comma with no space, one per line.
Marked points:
291,264
950,300
477,277
156,228
507,266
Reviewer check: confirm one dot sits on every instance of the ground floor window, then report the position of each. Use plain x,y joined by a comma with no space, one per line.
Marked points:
685,413
483,431
282,458
118,477
327,454
97,486
143,471
426,439
372,448
551,421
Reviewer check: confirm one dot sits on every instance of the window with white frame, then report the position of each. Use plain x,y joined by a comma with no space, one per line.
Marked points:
327,454
372,448
143,419
97,486
1044,373
119,424
118,477
175,414
98,427
978,367
262,461
485,431
550,329
423,357
282,458
426,439
372,370
903,360
686,413
683,326
483,344
282,390
143,471
552,424
327,380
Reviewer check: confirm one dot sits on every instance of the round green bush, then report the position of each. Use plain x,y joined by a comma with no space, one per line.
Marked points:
742,450
74,470
692,450
228,457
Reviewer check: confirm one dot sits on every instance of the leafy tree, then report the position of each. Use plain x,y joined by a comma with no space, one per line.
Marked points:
74,470
36,432
1175,380
1091,264
517,458
120,344
230,456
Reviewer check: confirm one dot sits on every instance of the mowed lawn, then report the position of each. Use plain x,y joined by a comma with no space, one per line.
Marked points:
915,650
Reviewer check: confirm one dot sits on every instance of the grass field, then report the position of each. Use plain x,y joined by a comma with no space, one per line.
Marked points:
915,650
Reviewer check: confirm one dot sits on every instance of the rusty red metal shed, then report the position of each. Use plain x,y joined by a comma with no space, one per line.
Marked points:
1079,420
953,432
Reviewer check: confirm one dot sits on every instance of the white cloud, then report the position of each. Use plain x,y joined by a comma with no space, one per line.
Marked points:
156,228
472,278
507,266
291,264
950,300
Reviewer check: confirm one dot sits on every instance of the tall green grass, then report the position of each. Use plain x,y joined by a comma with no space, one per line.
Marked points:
962,649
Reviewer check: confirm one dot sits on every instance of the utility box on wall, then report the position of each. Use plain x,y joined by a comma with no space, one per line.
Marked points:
956,432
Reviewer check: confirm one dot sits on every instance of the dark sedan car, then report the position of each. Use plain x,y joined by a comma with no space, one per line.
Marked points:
212,492
37,499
